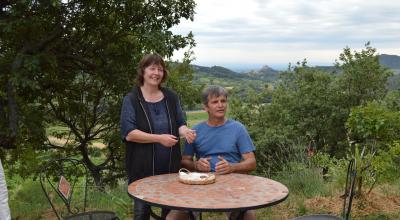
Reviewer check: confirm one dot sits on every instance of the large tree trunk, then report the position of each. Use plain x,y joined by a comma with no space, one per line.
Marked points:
93,169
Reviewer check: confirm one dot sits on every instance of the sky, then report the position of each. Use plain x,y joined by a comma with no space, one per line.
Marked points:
248,34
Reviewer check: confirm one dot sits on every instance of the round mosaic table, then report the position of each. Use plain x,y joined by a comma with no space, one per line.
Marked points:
230,192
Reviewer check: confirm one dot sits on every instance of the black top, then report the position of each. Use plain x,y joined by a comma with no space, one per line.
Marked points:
140,158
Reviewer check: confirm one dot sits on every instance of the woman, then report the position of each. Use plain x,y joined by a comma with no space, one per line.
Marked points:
151,123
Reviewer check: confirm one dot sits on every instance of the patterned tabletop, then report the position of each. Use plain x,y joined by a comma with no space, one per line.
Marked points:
229,192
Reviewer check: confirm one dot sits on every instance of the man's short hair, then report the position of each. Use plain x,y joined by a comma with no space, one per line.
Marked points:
213,91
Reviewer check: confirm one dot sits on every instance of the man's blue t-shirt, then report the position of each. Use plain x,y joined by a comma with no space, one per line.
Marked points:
229,140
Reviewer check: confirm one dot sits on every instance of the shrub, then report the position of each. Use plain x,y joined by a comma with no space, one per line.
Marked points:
303,180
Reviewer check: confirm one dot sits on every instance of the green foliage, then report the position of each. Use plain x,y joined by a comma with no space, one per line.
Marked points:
335,168
302,210
239,82
26,199
387,163
392,100
181,80
292,166
300,111
95,152
377,127
196,117
302,179
363,78
70,63
374,124
311,106
305,98
366,174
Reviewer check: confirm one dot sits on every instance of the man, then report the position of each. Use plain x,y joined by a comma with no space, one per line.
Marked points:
222,145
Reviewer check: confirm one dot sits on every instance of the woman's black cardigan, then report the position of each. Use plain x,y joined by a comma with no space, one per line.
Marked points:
139,158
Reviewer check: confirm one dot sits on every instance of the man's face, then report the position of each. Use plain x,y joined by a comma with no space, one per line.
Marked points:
216,106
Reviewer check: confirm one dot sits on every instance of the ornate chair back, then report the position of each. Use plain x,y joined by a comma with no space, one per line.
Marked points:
65,183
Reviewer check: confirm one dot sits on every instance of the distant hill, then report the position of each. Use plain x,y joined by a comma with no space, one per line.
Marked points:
266,73
327,68
218,72
256,79
390,61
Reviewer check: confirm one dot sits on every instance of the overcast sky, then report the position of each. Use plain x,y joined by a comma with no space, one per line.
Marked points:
252,33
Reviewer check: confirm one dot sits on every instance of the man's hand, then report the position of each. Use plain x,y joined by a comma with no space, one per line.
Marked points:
167,140
223,166
203,164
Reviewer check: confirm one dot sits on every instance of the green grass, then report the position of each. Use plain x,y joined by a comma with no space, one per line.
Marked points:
195,117
307,182
26,199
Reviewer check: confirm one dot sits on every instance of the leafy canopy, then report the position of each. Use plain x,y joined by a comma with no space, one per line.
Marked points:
68,64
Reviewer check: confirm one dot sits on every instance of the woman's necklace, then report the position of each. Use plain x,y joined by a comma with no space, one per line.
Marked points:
154,97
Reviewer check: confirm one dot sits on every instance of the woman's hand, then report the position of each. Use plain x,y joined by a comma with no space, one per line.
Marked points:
187,133
190,135
167,140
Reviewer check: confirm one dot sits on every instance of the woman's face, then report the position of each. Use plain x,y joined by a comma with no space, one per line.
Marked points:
153,75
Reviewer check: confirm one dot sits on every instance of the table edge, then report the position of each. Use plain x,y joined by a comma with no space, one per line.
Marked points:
210,209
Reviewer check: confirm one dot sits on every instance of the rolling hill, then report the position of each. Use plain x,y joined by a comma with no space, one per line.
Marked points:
391,62
267,75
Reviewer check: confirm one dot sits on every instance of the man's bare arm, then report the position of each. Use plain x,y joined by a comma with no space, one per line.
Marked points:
187,162
246,165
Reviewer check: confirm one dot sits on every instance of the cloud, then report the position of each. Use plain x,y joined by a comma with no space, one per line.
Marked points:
273,31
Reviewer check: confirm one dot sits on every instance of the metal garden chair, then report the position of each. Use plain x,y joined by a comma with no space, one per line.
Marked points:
348,197
65,185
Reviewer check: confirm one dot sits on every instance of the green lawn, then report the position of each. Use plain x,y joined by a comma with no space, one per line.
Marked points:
194,117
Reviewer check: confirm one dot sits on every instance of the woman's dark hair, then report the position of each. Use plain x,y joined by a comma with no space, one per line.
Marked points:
149,60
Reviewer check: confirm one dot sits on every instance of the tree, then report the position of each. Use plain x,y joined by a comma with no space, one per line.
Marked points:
363,79
310,106
374,125
300,111
181,75
69,63
374,130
